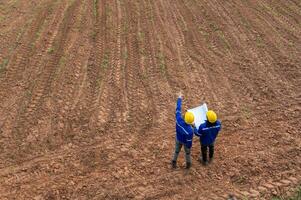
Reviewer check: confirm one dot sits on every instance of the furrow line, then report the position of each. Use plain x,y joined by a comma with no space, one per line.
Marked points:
43,83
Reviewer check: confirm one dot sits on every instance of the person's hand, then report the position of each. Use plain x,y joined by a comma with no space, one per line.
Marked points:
180,95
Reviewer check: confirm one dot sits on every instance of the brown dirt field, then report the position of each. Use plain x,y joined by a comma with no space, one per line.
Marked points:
88,92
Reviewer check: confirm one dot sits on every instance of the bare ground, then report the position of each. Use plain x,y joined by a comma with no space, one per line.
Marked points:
87,97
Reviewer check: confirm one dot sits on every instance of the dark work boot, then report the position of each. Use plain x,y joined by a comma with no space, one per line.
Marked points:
210,160
205,163
188,165
174,164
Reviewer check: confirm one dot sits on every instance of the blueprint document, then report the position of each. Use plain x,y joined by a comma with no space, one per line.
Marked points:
199,114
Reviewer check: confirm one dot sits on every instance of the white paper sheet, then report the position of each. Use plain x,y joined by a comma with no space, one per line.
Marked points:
199,114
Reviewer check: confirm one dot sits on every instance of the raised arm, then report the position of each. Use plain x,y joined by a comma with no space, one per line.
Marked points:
179,107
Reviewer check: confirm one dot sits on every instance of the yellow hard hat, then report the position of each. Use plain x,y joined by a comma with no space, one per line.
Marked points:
189,118
211,116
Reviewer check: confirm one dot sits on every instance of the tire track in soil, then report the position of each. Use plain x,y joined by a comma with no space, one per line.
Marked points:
67,81
207,20
54,165
125,139
112,106
294,9
210,70
115,120
286,10
100,114
155,81
177,42
88,180
154,189
16,108
283,19
96,72
187,62
191,65
105,118
210,23
20,59
140,100
99,110
58,153
163,41
186,59
150,79
92,115
151,136
269,22
42,45
267,59
274,23
257,117
179,70
268,73
109,114
62,155
14,21
274,56
254,75
41,165
43,83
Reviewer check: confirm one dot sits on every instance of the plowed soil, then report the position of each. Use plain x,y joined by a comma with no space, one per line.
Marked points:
88,92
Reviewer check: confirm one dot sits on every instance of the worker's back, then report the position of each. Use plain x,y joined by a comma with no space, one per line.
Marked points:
184,132
208,132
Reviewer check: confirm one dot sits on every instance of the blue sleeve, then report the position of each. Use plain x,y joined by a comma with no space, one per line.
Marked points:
220,125
200,131
195,130
178,110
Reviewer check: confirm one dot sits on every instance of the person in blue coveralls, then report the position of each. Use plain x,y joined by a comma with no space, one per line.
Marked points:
208,132
184,133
